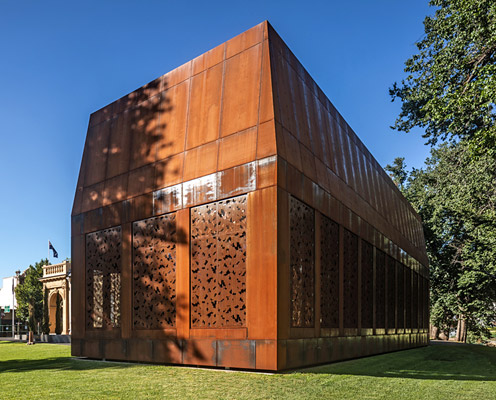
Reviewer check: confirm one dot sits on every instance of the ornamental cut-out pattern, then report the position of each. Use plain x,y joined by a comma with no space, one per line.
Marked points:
302,256
380,290
415,301
420,294
400,296
329,273
350,279
408,298
425,295
391,292
367,302
103,278
154,272
218,264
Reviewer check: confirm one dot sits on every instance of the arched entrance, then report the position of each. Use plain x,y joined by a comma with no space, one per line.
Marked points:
55,301
57,282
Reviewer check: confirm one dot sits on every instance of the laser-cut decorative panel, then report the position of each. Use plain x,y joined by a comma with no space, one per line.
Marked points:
218,264
367,302
350,279
391,292
415,295
302,255
408,298
154,272
426,304
329,273
103,278
380,289
400,296
420,294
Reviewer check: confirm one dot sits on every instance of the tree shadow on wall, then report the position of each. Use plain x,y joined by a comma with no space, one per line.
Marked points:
461,363
141,154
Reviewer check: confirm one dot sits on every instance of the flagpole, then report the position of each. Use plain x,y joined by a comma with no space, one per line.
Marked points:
48,252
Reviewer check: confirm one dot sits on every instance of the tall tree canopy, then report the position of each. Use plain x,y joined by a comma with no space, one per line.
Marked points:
450,89
450,92
455,195
29,295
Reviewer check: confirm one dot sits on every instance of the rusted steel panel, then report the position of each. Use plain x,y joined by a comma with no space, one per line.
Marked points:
218,264
391,292
154,272
350,280
103,278
367,285
329,277
302,250
261,266
380,290
400,296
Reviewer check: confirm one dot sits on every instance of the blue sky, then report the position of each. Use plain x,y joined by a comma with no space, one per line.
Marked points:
60,61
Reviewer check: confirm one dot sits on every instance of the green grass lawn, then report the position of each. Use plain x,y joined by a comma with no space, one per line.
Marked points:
46,371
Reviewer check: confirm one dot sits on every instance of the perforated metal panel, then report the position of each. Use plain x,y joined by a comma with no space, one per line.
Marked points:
367,302
426,304
415,296
408,298
302,256
400,296
329,273
380,290
103,278
218,264
391,292
350,279
154,272
420,294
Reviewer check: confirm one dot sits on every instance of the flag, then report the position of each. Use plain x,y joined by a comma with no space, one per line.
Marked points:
50,247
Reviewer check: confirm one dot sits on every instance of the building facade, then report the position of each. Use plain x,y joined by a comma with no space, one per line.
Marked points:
227,215
8,305
57,281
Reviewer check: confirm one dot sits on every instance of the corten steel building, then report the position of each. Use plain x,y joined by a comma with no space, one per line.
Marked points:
227,215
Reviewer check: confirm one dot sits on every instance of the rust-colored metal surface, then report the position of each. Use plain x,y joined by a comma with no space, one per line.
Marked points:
218,264
226,214
367,300
415,298
350,280
391,292
302,264
329,275
408,298
154,272
400,296
103,278
380,290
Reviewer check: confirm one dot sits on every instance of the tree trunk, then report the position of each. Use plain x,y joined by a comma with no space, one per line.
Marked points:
458,329
461,329
434,334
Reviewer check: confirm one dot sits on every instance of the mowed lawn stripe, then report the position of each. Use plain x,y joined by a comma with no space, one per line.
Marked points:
434,372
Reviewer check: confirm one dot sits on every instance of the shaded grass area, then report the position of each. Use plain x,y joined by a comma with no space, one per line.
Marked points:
435,372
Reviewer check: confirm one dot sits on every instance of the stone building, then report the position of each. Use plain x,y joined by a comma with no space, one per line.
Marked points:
57,280
227,215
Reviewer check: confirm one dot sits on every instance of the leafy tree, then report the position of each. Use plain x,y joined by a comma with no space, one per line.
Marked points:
455,194
450,88
58,315
29,295
45,326
397,171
